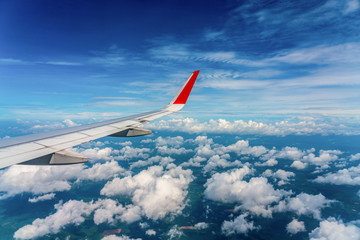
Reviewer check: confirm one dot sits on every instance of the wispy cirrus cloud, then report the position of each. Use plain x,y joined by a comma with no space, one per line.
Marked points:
320,54
63,63
115,103
185,52
120,98
11,61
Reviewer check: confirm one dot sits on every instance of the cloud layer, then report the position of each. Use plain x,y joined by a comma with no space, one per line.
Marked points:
250,181
303,127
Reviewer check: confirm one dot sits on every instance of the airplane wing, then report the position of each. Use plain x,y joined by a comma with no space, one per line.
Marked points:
50,148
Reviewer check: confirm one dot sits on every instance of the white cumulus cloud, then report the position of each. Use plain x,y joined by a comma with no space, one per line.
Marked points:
96,153
324,158
155,191
347,176
217,161
201,225
72,212
299,165
282,176
150,232
163,161
304,204
129,152
165,150
42,198
332,229
242,147
75,212
256,195
355,157
295,226
239,225
47,179
122,237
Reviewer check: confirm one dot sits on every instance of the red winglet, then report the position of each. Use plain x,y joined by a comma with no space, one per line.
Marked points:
183,96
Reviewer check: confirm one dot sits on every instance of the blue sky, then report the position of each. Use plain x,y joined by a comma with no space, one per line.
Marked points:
276,108
259,60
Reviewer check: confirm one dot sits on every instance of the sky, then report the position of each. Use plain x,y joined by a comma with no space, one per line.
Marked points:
267,146
265,61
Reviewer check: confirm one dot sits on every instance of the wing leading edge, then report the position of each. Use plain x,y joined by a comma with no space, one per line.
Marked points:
50,148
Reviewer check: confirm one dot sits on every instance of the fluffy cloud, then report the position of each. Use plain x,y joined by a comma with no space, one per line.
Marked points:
42,198
156,159
269,163
70,123
295,226
172,141
108,153
298,165
168,145
51,126
72,212
150,232
46,179
107,211
165,150
301,159
218,126
75,212
220,161
242,147
256,195
216,155
282,128
282,176
201,225
174,233
304,204
105,214
355,157
96,153
126,143
128,152
238,225
93,144
204,149
195,162
291,153
332,229
324,158
350,176
160,141
123,237
202,152
203,140
37,180
101,171
155,191
219,186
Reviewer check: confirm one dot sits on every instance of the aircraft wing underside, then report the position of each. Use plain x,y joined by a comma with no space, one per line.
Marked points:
50,148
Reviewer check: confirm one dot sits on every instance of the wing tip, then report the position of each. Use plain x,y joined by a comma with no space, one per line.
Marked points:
186,89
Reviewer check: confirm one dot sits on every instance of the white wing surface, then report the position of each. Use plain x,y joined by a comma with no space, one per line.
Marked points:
50,148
